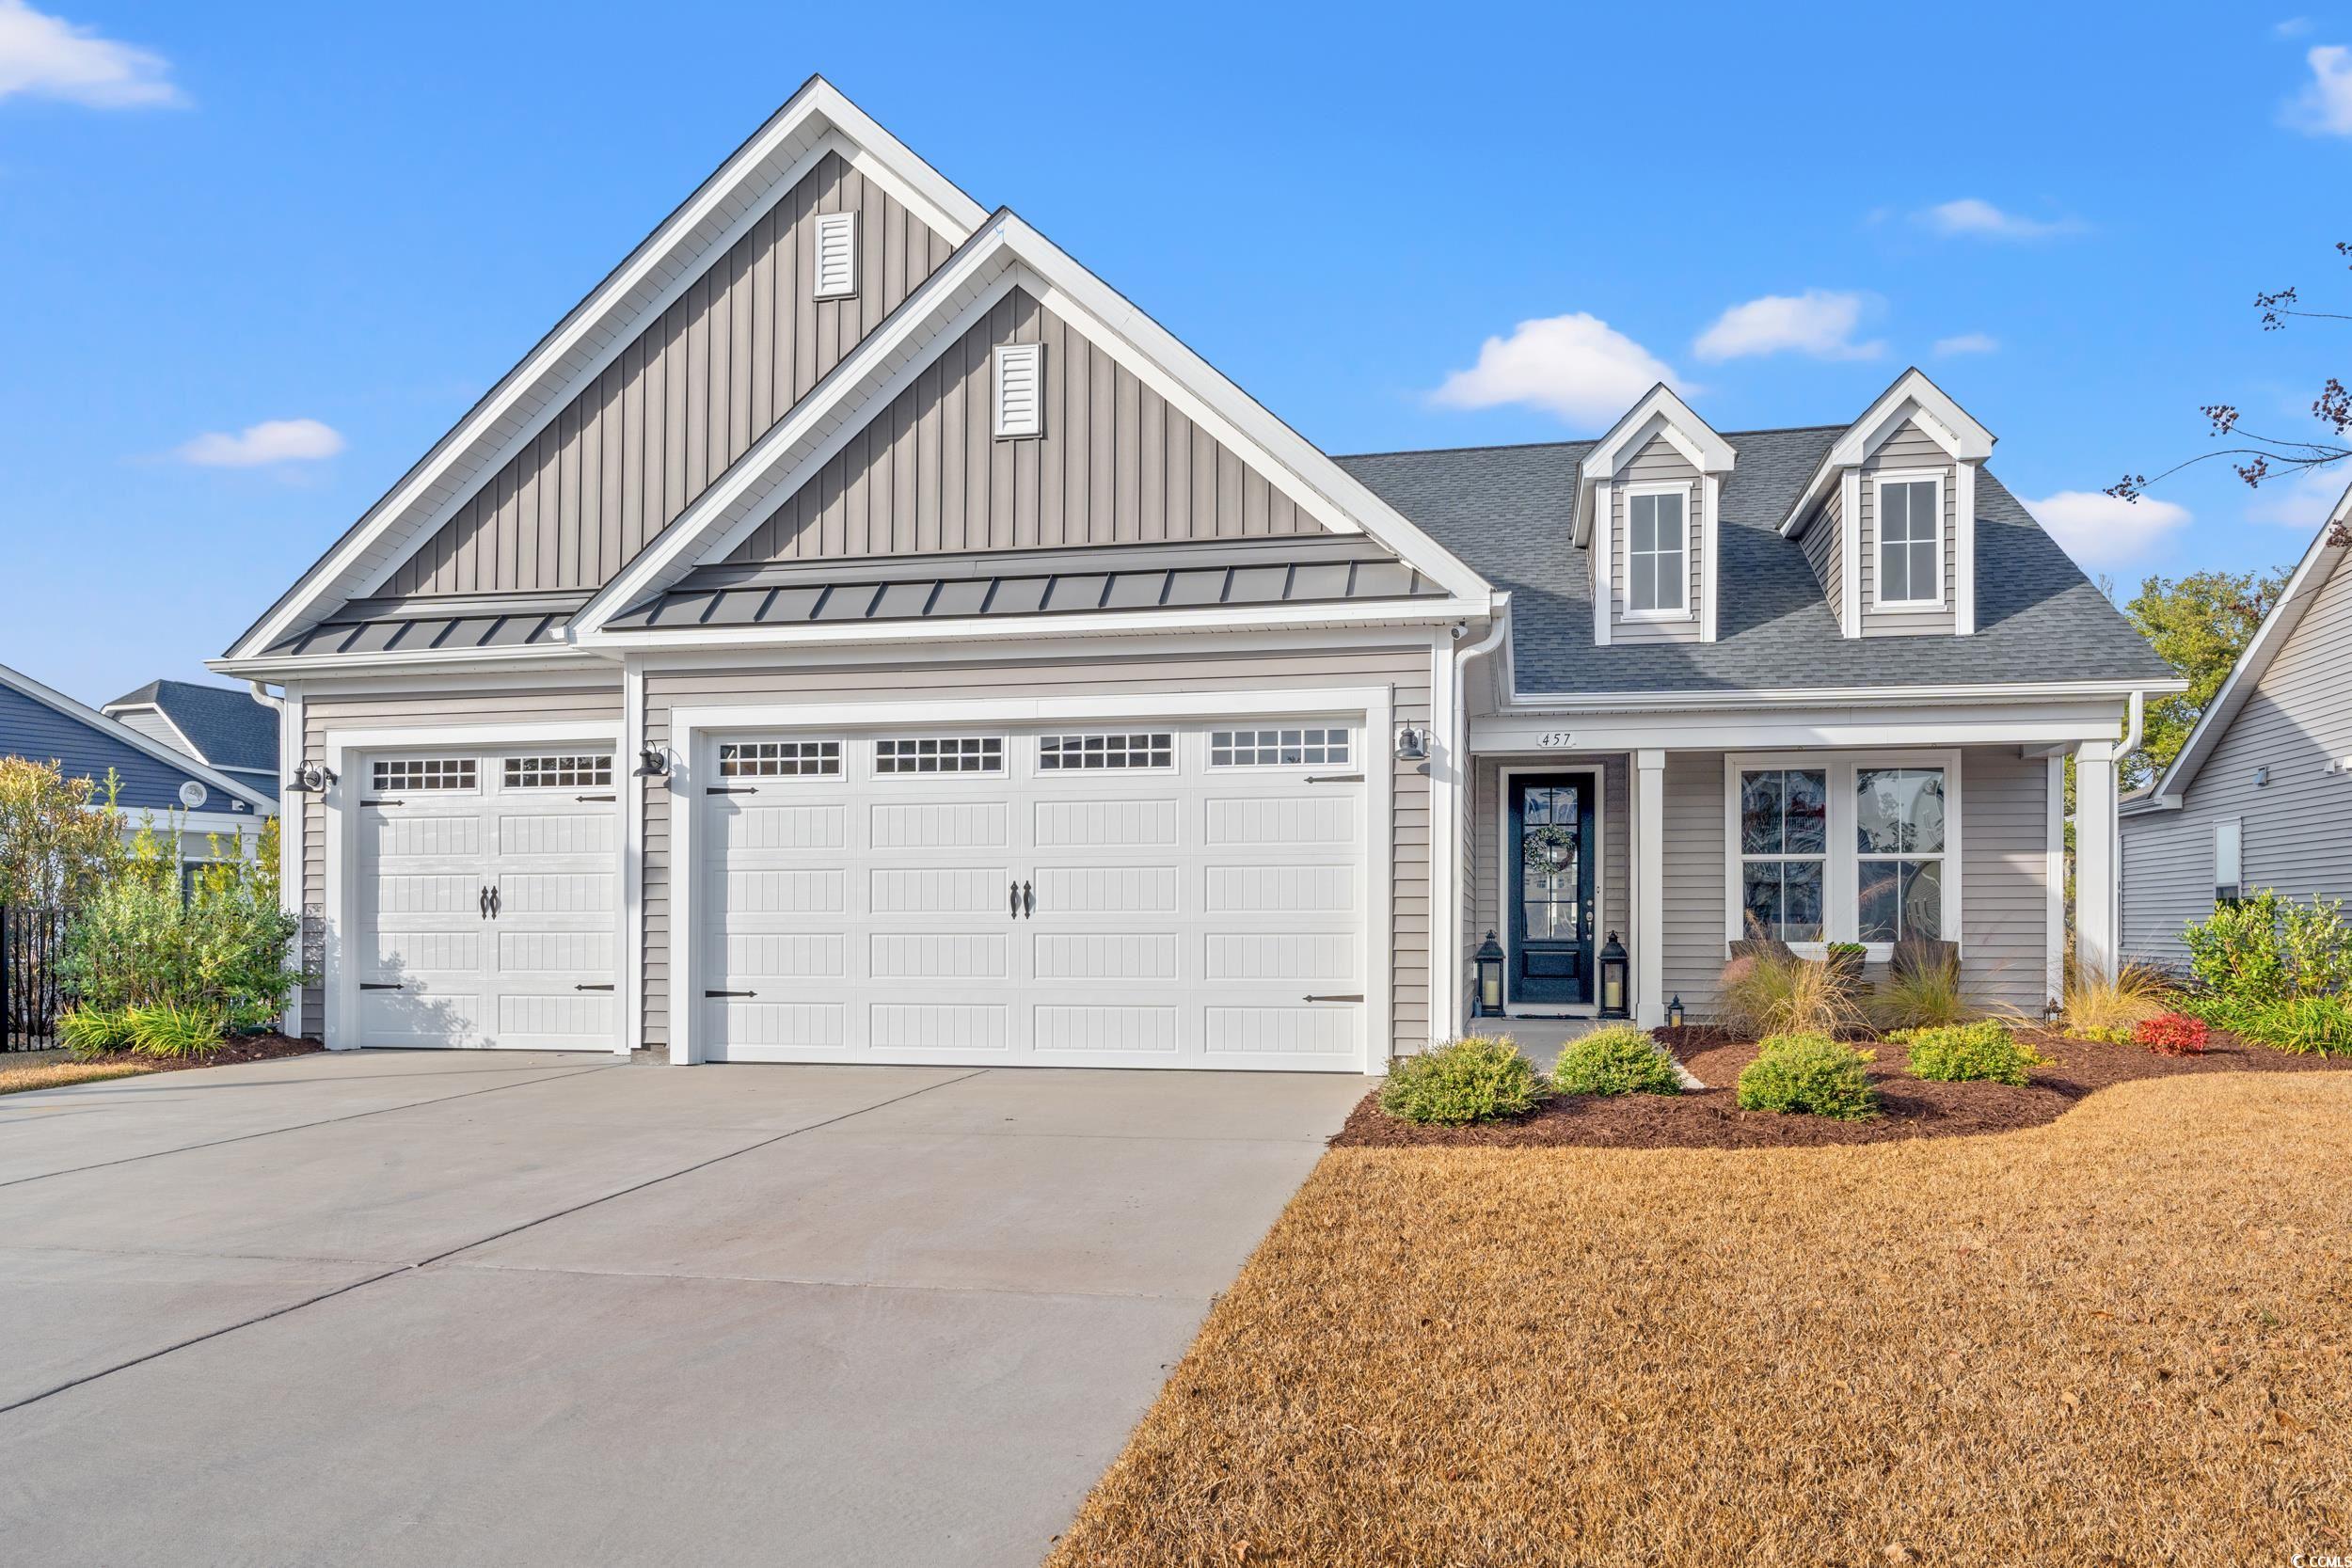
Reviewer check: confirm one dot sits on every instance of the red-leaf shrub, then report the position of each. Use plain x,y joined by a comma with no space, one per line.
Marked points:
2173,1035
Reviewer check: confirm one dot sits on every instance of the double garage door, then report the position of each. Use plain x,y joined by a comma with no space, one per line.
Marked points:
1104,895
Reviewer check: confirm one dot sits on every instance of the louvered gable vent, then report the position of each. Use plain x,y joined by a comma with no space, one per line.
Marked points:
1020,388
837,255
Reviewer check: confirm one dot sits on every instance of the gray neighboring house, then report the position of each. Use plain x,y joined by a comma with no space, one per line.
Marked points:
856,633
2261,792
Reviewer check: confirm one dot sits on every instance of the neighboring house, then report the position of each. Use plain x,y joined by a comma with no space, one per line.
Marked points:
212,810
2261,793
856,633
216,724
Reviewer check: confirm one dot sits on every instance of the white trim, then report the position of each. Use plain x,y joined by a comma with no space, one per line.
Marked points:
1879,604
1710,505
2097,887
1850,553
816,120
1461,773
1911,397
632,792
115,729
689,726
338,897
1964,549
1841,913
1832,728
181,743
299,666
291,825
1907,698
1649,888
1680,490
1657,413
1449,789
2054,877
1604,561
1598,766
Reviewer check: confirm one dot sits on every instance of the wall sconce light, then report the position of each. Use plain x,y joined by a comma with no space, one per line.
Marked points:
311,778
653,763
2261,777
1412,745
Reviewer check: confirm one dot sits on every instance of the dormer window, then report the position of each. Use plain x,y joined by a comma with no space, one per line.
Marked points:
1910,541
1657,554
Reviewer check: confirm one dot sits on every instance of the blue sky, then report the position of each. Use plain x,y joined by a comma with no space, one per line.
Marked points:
257,257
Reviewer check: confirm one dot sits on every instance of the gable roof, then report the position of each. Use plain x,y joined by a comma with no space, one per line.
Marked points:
114,734
2311,575
1660,413
222,725
1910,397
817,120
1007,253
1506,510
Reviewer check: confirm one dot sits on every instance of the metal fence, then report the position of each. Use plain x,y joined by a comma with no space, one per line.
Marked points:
31,942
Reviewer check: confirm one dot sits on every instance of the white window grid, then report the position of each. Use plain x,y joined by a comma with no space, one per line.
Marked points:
1279,748
1916,538
422,773
562,770
779,759
1668,555
1073,753
932,753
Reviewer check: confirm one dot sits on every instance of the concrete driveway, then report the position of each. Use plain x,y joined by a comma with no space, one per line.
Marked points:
457,1307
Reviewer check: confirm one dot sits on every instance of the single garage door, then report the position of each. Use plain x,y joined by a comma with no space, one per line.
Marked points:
1102,896
487,900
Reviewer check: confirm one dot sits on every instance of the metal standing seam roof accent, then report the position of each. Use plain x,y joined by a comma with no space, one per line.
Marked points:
417,633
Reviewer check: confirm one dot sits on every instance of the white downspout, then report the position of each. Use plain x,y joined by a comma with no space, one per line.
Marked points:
1466,796
289,844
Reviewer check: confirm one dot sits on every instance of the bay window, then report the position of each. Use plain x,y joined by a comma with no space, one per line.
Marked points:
1843,848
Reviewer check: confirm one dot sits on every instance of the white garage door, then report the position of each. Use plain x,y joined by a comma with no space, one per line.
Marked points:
487,900
1103,895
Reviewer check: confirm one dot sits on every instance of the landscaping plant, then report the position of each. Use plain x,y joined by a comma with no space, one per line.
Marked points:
1809,1073
1477,1078
1985,1051
90,1031
2265,949
2173,1035
1620,1059
2306,1025
1920,994
2097,1008
1775,993
61,838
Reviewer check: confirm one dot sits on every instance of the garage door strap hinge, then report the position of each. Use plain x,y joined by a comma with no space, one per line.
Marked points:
592,988
381,985
383,803
1357,997
595,796
730,993
730,789
1335,778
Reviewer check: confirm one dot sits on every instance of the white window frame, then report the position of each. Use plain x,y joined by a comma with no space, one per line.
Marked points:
1841,913
1681,490
1740,853
992,762
834,229
2228,859
1006,427
812,750
1879,482
1148,733
1352,761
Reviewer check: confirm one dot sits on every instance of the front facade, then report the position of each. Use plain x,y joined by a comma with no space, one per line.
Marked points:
856,633
2256,798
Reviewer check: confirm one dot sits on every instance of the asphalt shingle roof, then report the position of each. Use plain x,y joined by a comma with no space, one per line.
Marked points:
228,728
1508,510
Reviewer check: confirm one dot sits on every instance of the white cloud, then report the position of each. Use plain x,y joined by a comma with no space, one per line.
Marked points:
2293,27
2105,531
1971,217
256,444
2299,501
2325,107
47,57
1818,322
1967,343
1576,365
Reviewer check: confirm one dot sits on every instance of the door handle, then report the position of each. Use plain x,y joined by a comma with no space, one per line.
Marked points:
484,902
1028,899
494,903
1016,898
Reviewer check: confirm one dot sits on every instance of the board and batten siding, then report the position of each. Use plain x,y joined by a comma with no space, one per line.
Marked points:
1908,449
1656,463
1407,669
1114,465
743,344
324,713
2294,841
1484,861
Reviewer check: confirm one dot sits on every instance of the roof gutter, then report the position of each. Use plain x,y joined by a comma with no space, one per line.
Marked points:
1867,696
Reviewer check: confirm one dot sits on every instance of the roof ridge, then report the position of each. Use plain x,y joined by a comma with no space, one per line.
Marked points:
1578,441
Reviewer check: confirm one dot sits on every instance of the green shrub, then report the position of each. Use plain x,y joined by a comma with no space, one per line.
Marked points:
166,1029
2306,1025
93,1031
1475,1079
1616,1060
2267,949
1969,1052
1810,1073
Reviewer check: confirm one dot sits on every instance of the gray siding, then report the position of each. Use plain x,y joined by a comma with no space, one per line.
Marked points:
2297,716
1405,669
1116,464
424,711
1656,463
738,349
2005,882
1825,548
1483,863
1694,913
1907,448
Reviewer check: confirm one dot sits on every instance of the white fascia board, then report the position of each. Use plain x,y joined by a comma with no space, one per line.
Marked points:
2014,724
550,657
1912,396
814,120
115,729
2311,575
1659,412
1568,704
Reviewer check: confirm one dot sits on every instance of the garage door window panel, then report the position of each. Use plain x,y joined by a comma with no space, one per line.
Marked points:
562,770
1075,753
901,755
779,759
1303,747
424,774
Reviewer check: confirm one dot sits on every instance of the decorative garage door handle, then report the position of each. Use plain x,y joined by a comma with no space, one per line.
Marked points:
494,903
1357,997
382,985
1028,899
1015,895
484,903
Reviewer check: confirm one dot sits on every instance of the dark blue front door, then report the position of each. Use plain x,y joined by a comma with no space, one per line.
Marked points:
1551,854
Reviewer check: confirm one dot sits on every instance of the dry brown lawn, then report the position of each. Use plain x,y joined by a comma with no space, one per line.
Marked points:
56,1075
2124,1337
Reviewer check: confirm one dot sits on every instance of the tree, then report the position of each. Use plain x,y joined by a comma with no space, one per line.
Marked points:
61,838
2259,456
2199,623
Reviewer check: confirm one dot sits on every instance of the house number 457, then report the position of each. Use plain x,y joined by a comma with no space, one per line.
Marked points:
1556,737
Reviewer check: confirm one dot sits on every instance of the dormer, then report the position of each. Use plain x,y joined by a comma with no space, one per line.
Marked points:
1888,518
1647,502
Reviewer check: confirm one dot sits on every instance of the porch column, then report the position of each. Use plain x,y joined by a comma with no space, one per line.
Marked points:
2097,897
1649,888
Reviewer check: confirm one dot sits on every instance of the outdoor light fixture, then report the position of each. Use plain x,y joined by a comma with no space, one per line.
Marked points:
653,763
1412,745
2261,777
1674,1013
1612,967
312,778
1489,960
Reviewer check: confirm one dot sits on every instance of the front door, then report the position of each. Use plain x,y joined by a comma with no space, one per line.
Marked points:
1552,851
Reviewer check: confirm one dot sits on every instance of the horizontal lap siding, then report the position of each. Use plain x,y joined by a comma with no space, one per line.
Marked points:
1907,448
742,345
1693,906
2004,881
1115,465
1405,669
323,714
2167,883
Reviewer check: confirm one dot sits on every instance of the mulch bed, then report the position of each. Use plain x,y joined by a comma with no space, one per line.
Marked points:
1910,1107
244,1048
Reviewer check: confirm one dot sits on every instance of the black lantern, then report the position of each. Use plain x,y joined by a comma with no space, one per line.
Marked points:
1613,989
1674,1013
1489,960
